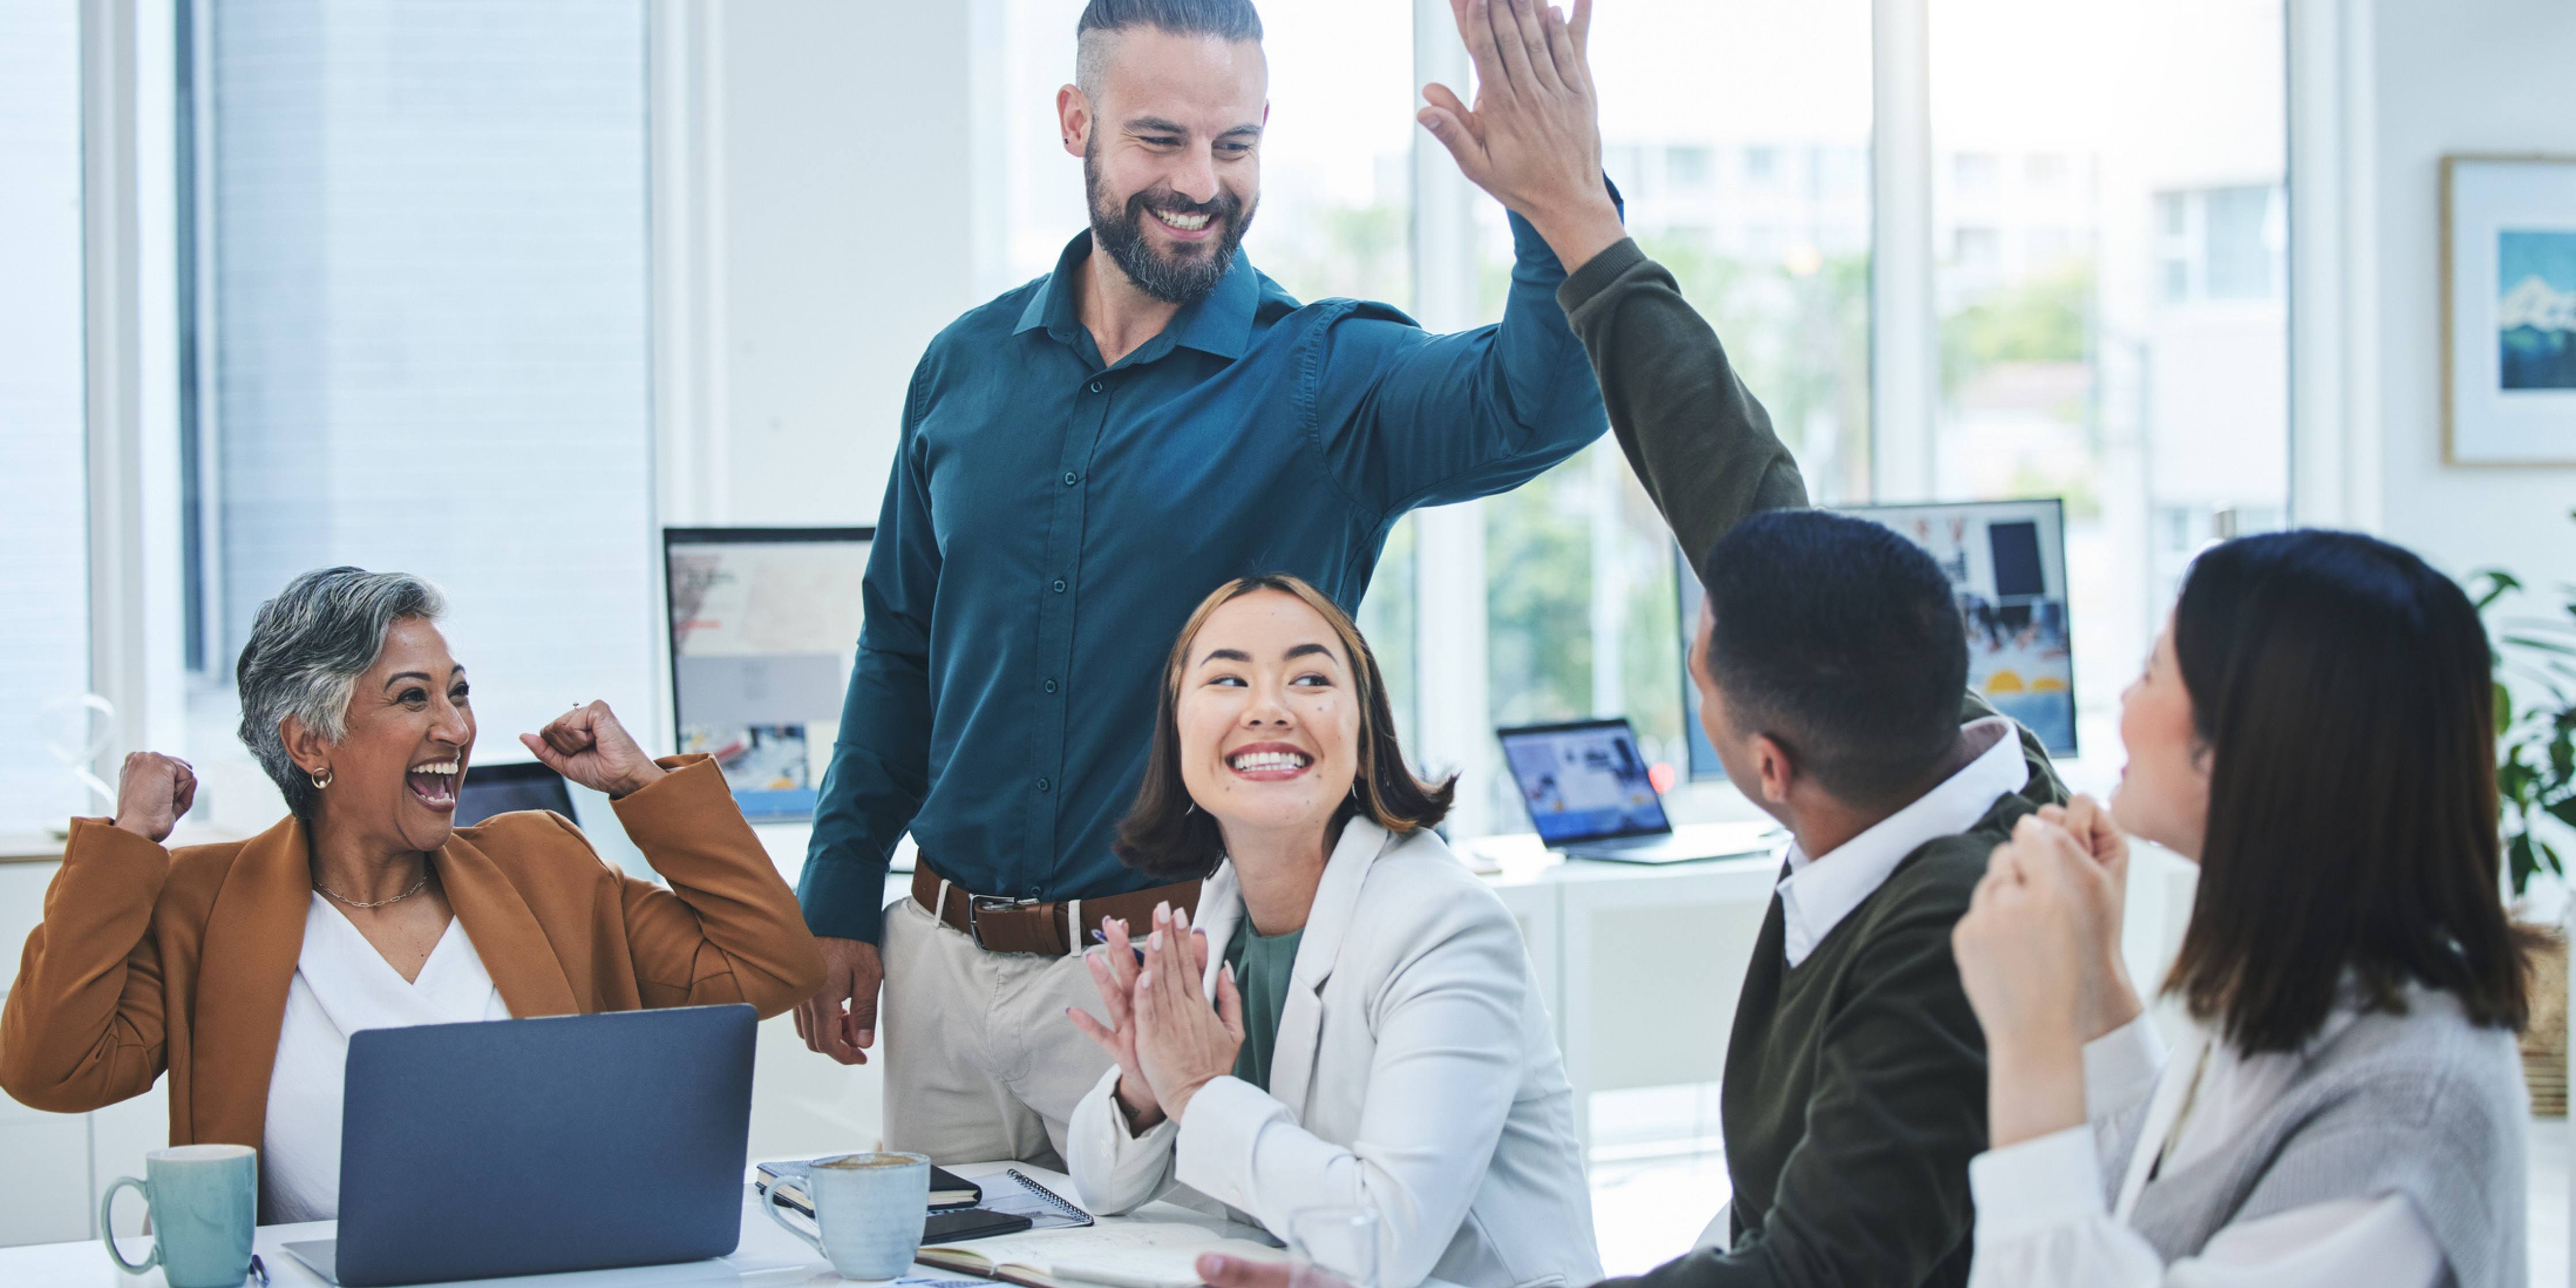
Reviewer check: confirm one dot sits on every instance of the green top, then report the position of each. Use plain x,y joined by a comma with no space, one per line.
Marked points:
1261,965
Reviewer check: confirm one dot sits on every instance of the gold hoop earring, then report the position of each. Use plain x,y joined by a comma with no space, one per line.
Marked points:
321,780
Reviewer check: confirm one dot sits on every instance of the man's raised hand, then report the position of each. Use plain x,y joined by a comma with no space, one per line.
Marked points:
1533,139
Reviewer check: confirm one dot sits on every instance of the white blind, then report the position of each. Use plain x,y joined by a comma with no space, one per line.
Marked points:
430,276
44,523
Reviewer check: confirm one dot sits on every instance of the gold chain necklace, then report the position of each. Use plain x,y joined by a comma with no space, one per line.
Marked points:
416,888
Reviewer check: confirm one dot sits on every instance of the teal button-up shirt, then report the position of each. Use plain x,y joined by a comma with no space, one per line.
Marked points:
1049,523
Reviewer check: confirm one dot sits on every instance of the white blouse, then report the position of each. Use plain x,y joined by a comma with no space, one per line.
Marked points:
342,984
2042,1217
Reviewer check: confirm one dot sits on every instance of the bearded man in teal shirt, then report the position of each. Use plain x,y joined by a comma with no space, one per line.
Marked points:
1080,461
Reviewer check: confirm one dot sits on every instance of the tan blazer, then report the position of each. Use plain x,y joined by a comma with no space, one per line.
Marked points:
151,959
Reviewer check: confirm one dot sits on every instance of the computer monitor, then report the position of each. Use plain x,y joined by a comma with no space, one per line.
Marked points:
2006,561
764,626
508,787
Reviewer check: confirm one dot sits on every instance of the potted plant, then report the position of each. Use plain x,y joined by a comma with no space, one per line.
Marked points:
2535,701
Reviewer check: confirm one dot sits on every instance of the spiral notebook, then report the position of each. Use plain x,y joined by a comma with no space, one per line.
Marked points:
1045,1209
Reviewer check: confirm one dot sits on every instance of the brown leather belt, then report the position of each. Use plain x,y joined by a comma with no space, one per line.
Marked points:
1003,925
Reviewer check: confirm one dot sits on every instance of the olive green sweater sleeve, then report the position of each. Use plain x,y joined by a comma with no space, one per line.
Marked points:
1697,438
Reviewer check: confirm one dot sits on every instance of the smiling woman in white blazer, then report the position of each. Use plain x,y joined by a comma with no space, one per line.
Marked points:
1353,1021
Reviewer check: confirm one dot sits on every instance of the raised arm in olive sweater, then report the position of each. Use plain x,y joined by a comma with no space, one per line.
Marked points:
1697,438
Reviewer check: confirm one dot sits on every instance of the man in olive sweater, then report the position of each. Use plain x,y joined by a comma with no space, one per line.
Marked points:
1831,664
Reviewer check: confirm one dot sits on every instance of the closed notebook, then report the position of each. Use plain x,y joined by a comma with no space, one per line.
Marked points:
1127,1254
787,1176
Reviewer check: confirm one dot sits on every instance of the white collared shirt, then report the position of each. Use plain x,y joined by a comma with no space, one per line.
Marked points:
1817,894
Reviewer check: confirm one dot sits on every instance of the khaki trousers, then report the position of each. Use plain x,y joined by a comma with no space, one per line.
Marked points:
980,1062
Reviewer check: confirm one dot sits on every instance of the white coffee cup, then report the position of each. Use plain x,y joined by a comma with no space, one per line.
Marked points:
868,1212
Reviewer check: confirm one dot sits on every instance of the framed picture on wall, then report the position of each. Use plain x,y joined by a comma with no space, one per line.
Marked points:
2509,310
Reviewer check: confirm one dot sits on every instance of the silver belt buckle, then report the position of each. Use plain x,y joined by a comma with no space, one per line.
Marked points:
983,903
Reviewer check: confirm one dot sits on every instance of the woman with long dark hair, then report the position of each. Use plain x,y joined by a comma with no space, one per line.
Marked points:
2316,731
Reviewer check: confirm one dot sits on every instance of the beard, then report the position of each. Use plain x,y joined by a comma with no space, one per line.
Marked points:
1182,278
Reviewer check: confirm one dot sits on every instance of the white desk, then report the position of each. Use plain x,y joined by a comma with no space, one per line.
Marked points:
766,1258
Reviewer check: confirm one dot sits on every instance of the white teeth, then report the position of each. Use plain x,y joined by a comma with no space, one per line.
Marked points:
1261,760
442,767
1186,223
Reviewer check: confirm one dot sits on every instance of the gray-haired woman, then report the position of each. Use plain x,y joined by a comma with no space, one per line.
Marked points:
241,968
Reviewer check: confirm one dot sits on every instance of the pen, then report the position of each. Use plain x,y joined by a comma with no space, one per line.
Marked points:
1099,938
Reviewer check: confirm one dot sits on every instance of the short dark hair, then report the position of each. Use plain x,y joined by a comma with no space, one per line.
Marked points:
1842,641
1165,836
1233,20
2340,687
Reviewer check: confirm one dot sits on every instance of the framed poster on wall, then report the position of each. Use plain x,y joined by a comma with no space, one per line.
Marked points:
2509,310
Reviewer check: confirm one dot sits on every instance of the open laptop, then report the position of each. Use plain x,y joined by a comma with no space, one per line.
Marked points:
523,1147
1588,794
508,786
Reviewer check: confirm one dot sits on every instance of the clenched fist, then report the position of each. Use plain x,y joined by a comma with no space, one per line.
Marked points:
588,746
154,791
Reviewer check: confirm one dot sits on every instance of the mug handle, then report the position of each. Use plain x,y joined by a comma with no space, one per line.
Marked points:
769,1204
107,1228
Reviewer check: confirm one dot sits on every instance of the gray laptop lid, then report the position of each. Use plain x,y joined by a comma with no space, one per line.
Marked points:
1584,781
517,1147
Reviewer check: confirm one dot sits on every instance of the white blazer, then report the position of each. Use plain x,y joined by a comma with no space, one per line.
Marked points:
1416,1072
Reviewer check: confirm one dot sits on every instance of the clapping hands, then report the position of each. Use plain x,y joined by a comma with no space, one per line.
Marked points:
2039,956
1167,1039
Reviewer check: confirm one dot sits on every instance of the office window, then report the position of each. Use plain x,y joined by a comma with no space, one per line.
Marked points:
44,512
1691,167
1843,171
2244,244
1578,564
2073,374
429,297
1973,173
1975,247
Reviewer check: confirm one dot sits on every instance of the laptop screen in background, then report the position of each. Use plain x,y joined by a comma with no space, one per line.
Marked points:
1584,782
507,788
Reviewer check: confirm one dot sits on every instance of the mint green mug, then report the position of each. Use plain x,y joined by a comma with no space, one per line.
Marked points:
204,1202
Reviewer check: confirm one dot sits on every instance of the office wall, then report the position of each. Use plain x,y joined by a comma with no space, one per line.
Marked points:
2461,76
848,239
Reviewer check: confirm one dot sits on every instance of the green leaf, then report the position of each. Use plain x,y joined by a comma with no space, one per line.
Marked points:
2491,583
2539,645
2521,861
2564,811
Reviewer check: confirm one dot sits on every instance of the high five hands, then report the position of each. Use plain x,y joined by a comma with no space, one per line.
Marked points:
1533,139
1168,1041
